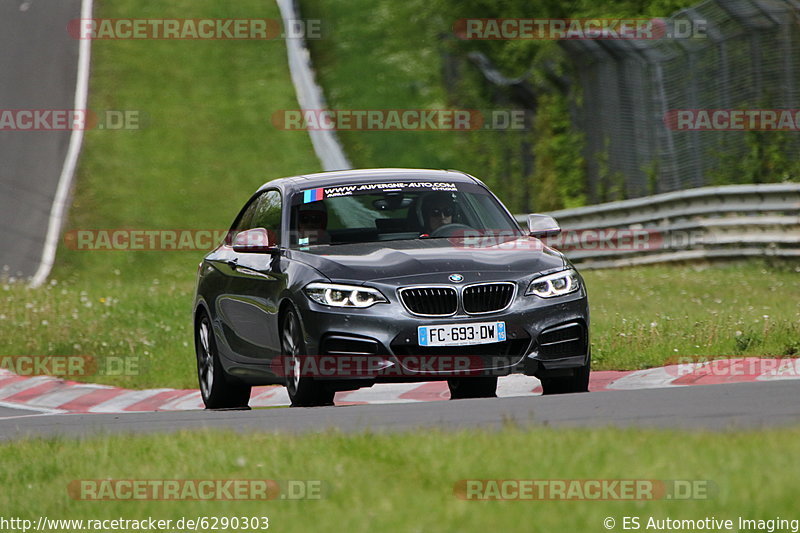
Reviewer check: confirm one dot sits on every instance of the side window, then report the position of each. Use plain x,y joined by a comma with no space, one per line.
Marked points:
244,221
267,214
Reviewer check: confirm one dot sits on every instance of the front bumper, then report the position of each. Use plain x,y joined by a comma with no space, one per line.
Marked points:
544,337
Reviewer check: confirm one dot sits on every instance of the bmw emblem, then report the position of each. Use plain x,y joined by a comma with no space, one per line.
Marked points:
456,278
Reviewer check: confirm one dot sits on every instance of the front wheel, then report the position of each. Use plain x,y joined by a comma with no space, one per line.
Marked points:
482,387
219,391
304,391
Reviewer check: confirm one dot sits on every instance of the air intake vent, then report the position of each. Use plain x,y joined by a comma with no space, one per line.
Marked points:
566,340
488,297
430,301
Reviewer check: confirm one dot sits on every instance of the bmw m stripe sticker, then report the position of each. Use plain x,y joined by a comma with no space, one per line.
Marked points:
313,195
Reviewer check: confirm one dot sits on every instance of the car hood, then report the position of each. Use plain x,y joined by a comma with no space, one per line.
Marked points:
430,259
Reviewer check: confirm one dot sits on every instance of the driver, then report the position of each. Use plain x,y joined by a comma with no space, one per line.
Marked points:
437,210
312,223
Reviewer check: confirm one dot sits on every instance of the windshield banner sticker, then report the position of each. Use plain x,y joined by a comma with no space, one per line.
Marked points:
312,195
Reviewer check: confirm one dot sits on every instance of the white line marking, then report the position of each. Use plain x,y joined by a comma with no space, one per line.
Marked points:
29,416
70,162
23,407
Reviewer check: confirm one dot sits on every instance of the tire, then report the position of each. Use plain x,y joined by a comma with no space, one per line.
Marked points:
218,389
303,391
568,384
482,387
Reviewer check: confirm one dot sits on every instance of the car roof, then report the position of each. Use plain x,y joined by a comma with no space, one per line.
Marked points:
366,175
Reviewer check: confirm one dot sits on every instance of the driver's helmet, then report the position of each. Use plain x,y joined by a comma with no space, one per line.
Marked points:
437,204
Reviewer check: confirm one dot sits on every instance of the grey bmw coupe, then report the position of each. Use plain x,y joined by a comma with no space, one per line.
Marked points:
340,280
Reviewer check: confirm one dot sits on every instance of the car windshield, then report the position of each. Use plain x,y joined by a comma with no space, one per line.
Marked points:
394,211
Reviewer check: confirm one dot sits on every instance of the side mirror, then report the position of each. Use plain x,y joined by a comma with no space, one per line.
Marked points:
542,226
253,241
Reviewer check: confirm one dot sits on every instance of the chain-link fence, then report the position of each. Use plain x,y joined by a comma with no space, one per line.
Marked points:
742,54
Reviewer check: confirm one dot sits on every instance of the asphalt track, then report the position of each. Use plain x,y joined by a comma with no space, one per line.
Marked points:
715,407
38,62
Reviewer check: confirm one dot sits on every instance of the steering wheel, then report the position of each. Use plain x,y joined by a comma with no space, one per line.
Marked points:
448,230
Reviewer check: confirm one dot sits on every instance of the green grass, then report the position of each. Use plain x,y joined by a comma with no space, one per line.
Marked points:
644,317
641,317
405,482
207,142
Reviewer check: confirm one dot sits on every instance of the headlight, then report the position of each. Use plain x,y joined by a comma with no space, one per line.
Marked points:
344,295
557,284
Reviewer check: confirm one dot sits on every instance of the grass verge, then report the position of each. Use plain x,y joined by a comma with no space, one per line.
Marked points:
402,482
644,317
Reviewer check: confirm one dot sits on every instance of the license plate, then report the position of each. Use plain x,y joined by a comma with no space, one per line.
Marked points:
461,334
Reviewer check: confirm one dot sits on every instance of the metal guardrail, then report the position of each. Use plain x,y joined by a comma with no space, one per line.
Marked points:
705,223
